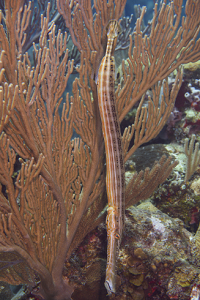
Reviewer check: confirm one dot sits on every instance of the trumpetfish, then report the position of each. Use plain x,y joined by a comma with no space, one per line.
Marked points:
115,173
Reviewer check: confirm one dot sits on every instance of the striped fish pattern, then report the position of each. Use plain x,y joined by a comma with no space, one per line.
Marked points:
115,174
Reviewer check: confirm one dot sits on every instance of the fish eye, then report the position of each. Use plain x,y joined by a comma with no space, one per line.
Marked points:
117,236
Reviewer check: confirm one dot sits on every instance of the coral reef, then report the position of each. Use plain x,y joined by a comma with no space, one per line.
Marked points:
158,259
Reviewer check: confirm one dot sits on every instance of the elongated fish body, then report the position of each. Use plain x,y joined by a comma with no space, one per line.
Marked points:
115,174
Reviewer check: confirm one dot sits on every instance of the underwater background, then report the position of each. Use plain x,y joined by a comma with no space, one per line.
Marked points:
160,250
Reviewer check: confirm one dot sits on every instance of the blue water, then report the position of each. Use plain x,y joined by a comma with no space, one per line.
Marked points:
129,9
